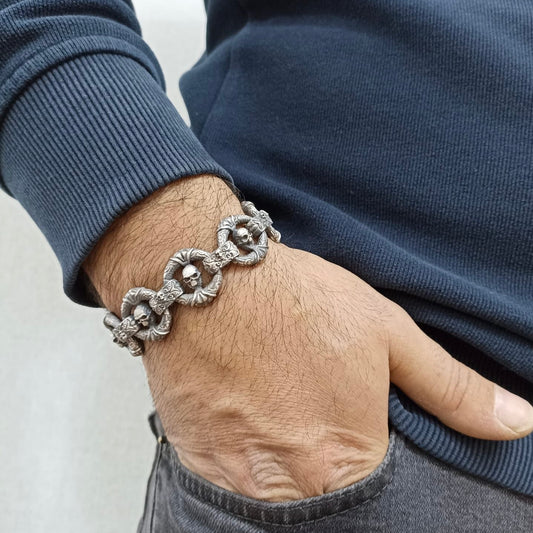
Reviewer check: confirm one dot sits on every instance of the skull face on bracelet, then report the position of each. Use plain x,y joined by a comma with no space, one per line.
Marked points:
192,277
143,314
242,238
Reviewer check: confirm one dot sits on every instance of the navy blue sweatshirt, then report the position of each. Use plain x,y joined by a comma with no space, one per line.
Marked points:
391,137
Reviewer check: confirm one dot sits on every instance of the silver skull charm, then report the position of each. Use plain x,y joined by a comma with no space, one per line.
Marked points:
192,277
142,314
242,237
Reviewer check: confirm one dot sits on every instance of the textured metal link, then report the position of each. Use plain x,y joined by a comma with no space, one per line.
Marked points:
145,313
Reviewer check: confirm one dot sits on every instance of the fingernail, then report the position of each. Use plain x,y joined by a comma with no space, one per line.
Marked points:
513,411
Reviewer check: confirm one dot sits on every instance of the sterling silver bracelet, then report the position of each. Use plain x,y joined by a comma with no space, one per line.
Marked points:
145,313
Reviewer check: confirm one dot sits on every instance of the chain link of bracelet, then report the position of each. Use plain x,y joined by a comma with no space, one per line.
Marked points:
145,313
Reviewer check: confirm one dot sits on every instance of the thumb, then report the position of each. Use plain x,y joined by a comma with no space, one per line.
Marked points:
457,395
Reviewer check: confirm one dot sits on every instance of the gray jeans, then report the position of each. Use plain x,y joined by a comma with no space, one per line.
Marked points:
409,492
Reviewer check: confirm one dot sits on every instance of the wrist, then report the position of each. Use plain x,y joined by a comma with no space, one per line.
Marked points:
137,246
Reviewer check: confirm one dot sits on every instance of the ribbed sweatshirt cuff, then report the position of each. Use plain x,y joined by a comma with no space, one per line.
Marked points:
85,142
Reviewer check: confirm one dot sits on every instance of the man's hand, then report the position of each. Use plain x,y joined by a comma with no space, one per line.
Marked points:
279,388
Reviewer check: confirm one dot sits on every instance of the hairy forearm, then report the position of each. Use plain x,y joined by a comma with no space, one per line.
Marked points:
138,245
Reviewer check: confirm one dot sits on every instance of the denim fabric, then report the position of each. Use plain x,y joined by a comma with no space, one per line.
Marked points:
410,491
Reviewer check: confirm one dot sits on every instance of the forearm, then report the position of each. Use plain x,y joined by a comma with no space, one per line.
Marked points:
136,248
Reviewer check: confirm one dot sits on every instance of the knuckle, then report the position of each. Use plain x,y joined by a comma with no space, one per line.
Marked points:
268,478
455,393
397,323
398,316
348,464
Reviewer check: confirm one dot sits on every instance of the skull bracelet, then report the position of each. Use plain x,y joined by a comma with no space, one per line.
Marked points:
145,314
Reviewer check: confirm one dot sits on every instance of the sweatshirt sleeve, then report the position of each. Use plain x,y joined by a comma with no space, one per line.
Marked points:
86,129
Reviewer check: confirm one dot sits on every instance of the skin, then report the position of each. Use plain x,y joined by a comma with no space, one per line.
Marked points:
278,389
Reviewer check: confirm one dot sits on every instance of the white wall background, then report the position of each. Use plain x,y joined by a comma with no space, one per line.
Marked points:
75,447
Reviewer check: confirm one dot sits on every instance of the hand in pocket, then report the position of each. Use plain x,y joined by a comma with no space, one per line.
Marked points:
279,389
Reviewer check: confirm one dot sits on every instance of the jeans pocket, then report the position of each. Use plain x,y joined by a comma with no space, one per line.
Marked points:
293,512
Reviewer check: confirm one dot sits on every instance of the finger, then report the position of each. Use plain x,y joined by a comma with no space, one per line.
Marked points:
457,395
